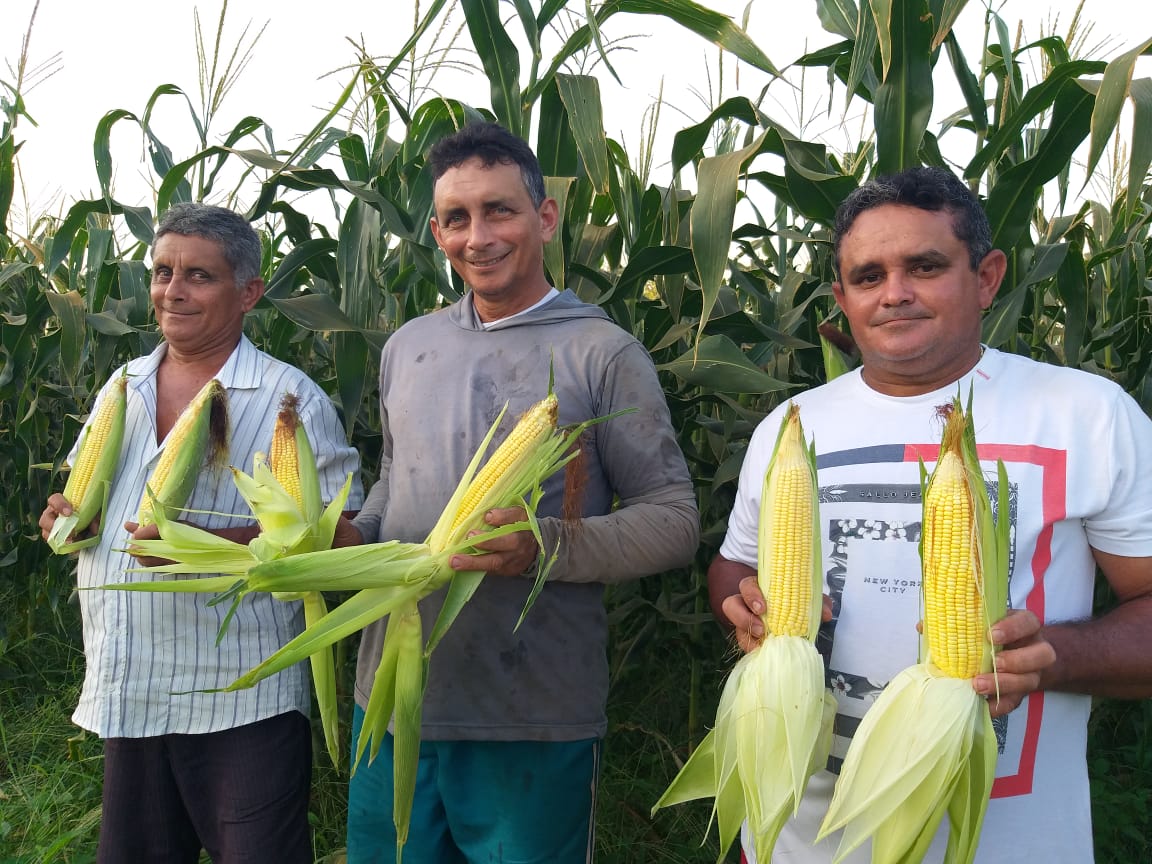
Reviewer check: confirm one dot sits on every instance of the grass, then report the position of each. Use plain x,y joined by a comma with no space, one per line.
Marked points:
49,774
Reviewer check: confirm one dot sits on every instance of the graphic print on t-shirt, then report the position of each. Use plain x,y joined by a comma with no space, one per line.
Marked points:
871,536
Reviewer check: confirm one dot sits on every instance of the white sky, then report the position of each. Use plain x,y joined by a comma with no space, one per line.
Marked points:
113,54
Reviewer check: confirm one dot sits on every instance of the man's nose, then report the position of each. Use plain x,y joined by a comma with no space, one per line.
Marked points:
479,234
897,289
176,288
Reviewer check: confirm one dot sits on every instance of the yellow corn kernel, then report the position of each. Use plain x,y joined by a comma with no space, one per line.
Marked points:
200,429
534,426
786,543
953,603
283,457
97,436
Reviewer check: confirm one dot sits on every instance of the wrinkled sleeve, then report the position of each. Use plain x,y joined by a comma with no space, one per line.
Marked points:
655,525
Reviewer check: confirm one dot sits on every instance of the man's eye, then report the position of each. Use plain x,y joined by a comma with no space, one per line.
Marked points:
925,268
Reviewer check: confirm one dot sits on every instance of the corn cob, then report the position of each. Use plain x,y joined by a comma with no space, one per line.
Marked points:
773,724
499,472
198,437
954,620
895,786
788,553
291,460
90,479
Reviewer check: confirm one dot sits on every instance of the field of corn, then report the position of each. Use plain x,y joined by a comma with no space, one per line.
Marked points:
722,269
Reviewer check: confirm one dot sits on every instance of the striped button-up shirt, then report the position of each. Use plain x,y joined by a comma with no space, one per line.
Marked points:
150,654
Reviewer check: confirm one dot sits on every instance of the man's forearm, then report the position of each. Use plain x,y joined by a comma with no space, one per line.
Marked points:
1106,656
637,540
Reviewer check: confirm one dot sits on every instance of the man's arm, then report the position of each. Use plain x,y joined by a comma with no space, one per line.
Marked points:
1110,655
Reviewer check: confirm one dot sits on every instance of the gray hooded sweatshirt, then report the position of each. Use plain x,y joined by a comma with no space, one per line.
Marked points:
443,380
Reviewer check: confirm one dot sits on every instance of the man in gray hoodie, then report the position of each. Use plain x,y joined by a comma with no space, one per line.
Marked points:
512,720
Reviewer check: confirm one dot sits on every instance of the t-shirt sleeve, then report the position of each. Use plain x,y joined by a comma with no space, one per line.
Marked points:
1124,526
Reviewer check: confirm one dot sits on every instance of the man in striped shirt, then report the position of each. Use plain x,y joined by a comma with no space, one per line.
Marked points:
187,769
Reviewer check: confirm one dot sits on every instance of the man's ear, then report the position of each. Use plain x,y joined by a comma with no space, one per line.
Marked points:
990,274
549,213
251,293
838,294
435,227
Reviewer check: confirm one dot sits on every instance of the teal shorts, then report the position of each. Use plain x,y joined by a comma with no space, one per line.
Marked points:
514,802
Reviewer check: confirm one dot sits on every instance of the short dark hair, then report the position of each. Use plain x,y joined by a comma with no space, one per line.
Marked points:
235,236
932,189
490,143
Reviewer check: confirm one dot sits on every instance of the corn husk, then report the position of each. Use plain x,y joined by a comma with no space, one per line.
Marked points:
106,455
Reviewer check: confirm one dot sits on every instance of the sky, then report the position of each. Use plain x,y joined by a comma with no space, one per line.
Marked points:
87,58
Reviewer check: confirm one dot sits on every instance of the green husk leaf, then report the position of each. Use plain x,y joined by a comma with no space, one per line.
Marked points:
696,778
903,761
460,590
353,614
382,699
324,678
411,675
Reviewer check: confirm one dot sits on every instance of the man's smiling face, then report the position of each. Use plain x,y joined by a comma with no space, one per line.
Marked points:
493,235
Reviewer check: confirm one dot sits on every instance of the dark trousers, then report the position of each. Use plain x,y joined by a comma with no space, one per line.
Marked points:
241,794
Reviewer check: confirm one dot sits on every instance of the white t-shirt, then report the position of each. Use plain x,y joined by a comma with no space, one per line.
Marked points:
1072,444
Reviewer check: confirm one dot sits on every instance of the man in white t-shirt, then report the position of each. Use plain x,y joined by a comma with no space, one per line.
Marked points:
916,268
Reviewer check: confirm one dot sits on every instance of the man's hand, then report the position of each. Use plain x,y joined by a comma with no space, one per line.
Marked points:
346,534
1024,656
58,506
744,611
510,555
145,532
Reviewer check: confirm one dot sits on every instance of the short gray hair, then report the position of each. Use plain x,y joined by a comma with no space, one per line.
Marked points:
237,239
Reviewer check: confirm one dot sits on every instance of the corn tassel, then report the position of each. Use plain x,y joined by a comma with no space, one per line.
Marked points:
198,437
927,746
90,479
774,721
